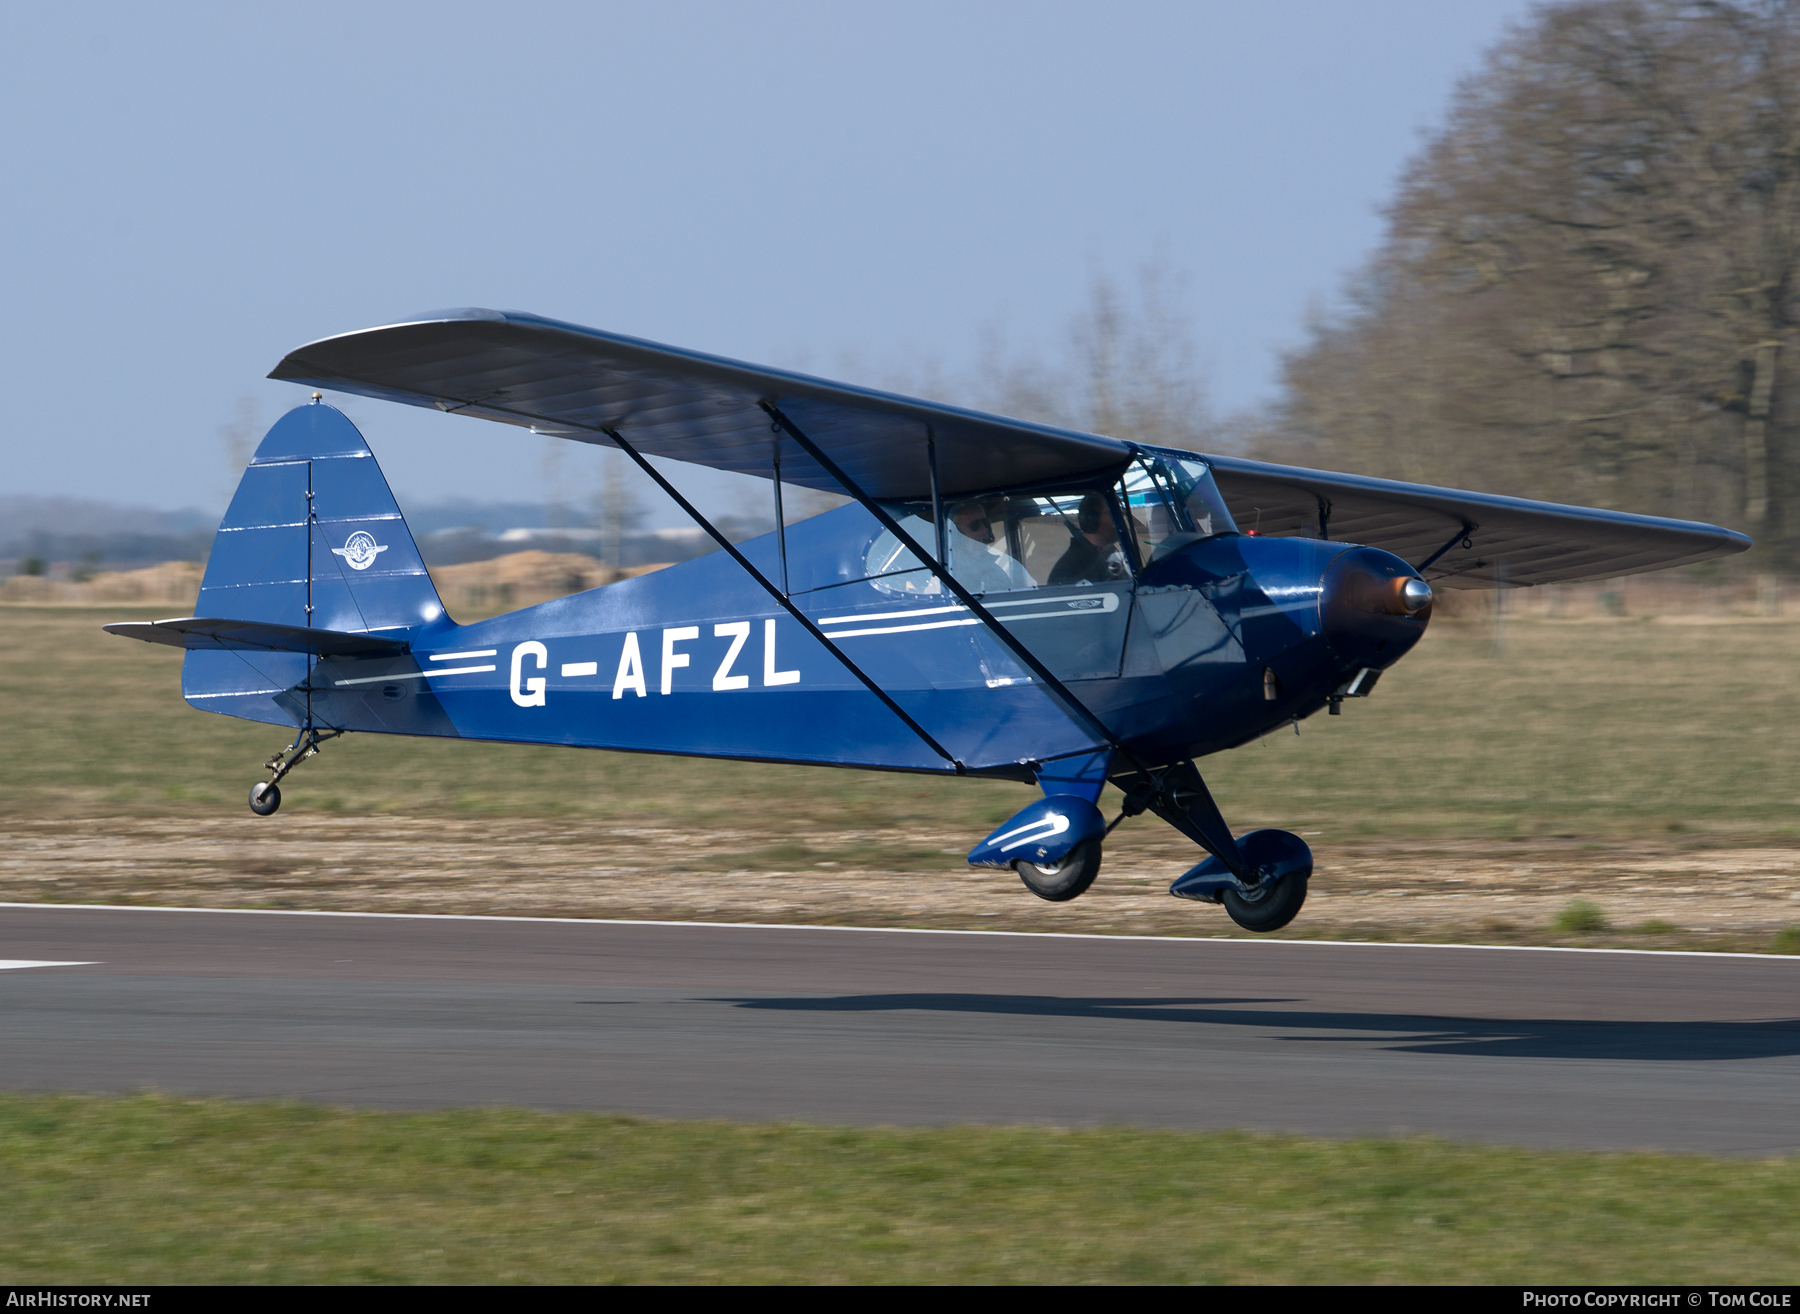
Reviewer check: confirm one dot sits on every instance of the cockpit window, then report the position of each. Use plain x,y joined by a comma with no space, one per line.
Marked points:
1205,505
999,544
1173,502
1037,540
1071,538
891,566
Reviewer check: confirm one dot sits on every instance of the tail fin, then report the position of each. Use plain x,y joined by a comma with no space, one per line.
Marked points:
313,539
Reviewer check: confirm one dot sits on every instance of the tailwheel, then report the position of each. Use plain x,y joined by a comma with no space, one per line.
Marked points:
1061,881
265,795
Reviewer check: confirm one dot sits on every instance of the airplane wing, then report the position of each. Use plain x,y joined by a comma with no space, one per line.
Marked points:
572,382
1461,539
569,381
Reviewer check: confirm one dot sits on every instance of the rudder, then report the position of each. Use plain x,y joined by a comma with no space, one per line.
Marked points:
313,538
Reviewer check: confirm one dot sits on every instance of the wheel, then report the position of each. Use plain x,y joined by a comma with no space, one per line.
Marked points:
264,798
1271,906
1062,881
1283,863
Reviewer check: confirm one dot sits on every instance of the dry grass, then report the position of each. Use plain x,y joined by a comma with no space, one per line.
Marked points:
1638,765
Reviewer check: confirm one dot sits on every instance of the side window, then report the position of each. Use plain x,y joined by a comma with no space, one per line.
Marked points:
1001,544
891,566
983,540
1069,538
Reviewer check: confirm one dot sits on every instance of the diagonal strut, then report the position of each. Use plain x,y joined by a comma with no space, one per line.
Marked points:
782,598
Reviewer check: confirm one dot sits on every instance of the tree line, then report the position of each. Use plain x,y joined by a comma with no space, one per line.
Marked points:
1587,290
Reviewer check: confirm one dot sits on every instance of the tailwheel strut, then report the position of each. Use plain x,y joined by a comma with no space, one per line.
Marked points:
265,795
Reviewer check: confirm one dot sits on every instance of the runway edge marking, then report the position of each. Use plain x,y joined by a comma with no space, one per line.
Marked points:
896,930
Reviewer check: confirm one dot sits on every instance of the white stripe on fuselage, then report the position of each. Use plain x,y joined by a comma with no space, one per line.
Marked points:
902,629
413,675
1109,602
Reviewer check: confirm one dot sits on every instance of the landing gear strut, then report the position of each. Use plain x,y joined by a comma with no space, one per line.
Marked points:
265,795
1260,879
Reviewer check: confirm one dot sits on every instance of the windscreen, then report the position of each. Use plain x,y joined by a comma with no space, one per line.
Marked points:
1173,502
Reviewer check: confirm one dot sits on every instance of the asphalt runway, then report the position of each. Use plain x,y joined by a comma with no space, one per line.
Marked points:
1541,1048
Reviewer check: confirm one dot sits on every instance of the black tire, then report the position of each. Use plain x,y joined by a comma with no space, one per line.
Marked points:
265,799
1064,880
1271,906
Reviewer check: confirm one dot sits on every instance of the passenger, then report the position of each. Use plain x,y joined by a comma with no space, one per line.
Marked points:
1094,555
979,564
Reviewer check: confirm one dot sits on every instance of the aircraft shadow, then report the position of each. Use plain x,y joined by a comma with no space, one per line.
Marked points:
1421,1033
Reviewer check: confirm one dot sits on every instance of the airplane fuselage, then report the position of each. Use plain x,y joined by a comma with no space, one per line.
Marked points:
1213,645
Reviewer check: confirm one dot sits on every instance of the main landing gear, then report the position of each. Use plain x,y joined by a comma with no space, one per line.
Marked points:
1260,878
1054,846
1063,880
265,795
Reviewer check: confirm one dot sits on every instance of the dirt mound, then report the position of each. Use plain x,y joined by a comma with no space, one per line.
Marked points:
521,579
176,583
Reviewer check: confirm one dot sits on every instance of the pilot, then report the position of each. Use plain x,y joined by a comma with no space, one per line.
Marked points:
979,564
1094,555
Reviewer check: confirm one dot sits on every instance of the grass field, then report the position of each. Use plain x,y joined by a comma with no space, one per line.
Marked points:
1641,767
149,1190
1582,728
1583,743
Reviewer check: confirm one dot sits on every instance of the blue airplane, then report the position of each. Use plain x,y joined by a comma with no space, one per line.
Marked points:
997,599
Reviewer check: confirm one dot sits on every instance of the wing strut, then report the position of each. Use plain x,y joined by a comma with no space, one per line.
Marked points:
780,517
780,595
1460,536
1073,705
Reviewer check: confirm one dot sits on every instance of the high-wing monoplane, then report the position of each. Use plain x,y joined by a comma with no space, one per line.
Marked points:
997,599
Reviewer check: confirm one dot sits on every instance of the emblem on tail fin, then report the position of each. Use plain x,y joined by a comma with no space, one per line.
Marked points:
360,550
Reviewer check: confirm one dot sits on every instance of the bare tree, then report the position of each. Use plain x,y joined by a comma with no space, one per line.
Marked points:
1127,367
237,439
1588,288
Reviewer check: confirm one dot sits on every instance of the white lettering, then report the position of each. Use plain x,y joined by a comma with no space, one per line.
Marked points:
530,693
739,634
572,669
631,669
672,659
770,674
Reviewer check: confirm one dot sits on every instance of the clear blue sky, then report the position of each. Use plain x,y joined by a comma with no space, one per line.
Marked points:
189,191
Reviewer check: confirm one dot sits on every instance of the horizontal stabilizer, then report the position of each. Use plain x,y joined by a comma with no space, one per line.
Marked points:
199,633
